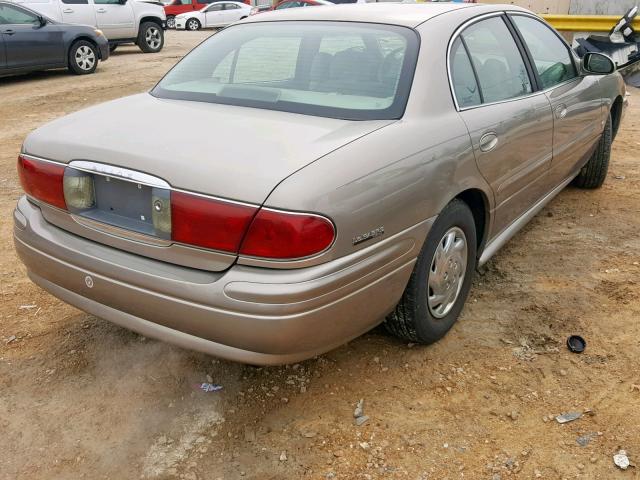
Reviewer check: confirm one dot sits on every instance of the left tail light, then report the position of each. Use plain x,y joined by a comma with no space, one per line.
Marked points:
42,181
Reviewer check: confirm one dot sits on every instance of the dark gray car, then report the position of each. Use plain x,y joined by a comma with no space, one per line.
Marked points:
30,41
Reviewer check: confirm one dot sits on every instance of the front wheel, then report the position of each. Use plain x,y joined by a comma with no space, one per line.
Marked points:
83,58
150,37
594,173
193,24
171,22
441,278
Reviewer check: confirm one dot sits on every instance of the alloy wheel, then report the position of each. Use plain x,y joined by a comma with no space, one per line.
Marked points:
152,37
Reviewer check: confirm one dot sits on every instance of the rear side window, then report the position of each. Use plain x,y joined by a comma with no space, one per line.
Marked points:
497,61
464,81
76,2
550,55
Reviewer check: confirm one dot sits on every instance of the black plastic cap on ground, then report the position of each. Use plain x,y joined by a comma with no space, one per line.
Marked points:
576,344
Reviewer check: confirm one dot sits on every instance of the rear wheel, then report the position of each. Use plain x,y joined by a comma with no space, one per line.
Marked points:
83,58
441,278
192,24
171,21
150,37
594,173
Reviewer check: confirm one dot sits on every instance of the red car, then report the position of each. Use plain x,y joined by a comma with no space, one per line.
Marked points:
177,7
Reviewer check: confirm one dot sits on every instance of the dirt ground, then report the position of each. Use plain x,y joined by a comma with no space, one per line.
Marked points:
81,398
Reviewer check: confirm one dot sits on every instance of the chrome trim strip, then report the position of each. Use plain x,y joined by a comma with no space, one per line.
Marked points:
120,173
120,232
457,33
503,237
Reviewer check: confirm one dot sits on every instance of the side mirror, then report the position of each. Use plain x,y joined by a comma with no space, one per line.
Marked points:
122,2
42,20
597,64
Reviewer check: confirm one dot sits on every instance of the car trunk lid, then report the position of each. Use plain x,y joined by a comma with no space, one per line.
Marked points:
228,152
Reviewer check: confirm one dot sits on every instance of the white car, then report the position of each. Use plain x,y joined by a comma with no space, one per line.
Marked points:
216,15
122,21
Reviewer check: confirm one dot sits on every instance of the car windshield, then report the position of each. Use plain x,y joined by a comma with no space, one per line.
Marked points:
346,70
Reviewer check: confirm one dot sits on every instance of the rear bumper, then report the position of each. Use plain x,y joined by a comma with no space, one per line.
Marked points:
181,23
247,314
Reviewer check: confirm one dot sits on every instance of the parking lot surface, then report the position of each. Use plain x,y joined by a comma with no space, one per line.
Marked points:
81,398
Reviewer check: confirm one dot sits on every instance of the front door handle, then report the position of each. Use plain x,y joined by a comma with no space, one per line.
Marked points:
67,10
101,10
561,111
9,32
488,141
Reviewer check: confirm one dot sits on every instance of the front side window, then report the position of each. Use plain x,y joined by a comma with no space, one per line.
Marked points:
10,15
215,8
345,70
497,61
107,2
76,2
550,55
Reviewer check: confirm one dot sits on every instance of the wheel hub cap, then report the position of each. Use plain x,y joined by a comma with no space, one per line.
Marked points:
447,271
85,58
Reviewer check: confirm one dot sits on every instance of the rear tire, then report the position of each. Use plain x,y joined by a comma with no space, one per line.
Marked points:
437,290
83,58
192,25
594,173
150,37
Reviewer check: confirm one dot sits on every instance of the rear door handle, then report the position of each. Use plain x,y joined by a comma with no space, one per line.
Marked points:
561,111
9,32
488,141
101,10
67,10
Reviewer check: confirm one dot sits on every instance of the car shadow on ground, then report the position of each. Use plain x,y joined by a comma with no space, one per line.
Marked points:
35,76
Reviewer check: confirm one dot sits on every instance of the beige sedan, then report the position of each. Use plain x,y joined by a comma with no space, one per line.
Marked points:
346,166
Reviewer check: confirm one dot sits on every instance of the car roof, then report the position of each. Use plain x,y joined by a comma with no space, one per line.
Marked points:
408,15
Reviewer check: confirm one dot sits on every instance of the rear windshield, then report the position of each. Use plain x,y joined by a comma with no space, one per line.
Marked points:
355,71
